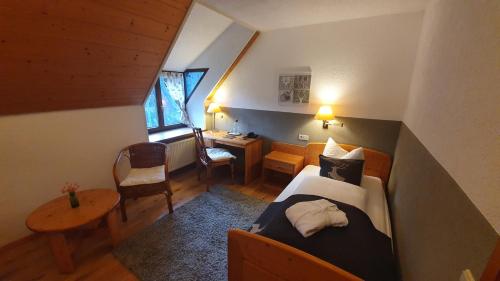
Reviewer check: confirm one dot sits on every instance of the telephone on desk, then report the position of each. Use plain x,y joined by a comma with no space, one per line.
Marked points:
250,135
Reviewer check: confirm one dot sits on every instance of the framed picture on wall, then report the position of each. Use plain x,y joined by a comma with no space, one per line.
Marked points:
294,88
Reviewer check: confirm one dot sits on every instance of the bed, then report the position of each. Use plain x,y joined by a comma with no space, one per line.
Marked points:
269,254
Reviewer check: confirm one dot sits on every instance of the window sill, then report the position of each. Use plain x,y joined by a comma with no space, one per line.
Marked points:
171,135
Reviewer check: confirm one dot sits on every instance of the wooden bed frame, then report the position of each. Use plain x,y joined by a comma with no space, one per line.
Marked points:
252,257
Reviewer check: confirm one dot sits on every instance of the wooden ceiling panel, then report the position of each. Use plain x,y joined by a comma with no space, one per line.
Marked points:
92,12
161,11
20,69
48,27
70,54
63,51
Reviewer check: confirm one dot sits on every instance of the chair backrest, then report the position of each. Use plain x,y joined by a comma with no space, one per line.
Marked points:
147,154
201,149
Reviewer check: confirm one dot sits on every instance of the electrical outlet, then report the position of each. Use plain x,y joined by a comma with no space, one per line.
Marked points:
466,276
303,137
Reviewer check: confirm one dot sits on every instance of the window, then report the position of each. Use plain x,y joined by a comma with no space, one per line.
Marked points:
192,78
165,105
151,110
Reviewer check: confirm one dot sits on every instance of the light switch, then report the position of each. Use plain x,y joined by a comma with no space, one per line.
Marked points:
466,276
303,137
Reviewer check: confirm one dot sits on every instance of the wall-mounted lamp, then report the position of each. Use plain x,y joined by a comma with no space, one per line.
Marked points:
213,108
325,113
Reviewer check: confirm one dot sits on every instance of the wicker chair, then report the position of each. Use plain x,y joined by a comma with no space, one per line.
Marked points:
211,157
148,174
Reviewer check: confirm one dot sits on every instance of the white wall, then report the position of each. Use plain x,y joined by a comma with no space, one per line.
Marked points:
454,103
361,66
218,57
201,28
40,152
267,15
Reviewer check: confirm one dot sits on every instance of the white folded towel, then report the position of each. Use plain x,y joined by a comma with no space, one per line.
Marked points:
312,216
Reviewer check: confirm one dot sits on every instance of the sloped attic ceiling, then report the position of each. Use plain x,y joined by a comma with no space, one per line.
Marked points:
267,15
58,55
201,28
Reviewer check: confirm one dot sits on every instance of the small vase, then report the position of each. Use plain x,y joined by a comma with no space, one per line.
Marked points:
73,200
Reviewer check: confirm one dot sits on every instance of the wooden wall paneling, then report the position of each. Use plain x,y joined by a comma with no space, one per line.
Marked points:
76,54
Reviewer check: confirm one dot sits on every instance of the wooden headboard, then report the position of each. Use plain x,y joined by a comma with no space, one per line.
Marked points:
377,164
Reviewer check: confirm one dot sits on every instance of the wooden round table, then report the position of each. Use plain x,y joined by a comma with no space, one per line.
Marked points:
57,220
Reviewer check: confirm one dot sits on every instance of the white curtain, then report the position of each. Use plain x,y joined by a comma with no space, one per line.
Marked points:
174,81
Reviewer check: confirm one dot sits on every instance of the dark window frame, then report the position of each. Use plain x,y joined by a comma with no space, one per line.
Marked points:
161,121
204,70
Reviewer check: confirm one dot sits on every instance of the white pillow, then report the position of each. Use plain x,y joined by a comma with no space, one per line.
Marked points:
333,150
356,154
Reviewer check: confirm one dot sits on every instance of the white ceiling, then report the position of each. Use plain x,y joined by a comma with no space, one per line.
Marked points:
273,14
201,28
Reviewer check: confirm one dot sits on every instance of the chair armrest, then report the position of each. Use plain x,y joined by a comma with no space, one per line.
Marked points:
115,170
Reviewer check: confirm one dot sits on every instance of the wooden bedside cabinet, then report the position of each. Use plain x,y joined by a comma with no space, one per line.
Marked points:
282,162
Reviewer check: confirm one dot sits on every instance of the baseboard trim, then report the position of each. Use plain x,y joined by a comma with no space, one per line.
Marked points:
183,169
18,242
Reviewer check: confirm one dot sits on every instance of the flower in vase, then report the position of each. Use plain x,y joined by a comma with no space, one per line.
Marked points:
70,187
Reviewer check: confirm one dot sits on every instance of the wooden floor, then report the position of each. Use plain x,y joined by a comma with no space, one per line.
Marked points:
32,260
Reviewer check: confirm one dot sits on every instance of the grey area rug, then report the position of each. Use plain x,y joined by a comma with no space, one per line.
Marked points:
191,243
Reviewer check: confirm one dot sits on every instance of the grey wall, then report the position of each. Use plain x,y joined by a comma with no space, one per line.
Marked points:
285,127
438,230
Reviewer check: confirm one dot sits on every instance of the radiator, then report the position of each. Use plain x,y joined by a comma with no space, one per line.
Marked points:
181,153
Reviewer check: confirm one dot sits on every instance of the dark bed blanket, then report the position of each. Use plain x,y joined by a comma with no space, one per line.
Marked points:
358,248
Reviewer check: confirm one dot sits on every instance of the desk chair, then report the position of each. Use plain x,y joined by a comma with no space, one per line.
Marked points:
148,174
211,157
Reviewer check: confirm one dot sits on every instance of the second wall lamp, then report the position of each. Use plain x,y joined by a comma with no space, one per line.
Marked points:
325,114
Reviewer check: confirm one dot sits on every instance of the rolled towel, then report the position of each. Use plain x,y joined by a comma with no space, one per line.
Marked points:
312,216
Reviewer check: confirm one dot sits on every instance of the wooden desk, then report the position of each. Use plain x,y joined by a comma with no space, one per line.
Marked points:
59,221
252,148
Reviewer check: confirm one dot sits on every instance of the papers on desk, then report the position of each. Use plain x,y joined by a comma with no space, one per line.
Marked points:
235,137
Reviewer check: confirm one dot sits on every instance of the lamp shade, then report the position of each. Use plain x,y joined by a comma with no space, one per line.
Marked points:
325,112
213,108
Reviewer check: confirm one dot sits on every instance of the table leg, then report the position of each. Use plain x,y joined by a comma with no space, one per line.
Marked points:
61,251
248,165
113,226
253,156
